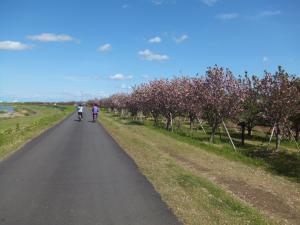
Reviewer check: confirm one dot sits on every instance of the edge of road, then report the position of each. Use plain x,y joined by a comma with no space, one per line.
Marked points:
43,133
139,171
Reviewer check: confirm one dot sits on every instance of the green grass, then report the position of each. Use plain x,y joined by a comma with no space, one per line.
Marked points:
286,163
283,162
194,199
30,121
217,199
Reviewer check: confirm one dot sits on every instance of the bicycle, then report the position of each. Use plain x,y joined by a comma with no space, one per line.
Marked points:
95,115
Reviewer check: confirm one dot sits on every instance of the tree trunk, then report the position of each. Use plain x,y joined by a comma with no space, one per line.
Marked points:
155,121
297,133
179,122
249,129
191,121
171,121
278,137
213,132
243,133
168,123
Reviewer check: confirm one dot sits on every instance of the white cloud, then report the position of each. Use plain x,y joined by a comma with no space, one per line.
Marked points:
181,39
105,48
227,16
50,37
126,87
13,46
265,59
162,2
120,76
145,76
155,40
151,56
267,13
209,2
125,6
158,2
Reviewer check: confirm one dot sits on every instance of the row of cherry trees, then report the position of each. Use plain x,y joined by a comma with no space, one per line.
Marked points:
216,97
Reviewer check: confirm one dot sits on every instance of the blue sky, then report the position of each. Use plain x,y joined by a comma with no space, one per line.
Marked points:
74,50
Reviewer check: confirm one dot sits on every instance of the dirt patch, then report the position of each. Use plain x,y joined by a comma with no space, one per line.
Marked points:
187,162
260,198
255,196
10,115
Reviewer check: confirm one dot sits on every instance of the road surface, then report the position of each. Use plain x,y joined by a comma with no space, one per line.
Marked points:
76,174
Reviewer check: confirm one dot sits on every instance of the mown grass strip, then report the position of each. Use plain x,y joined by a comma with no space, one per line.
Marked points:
194,199
280,163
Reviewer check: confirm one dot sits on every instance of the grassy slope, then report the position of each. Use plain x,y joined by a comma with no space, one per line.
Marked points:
285,162
16,131
193,198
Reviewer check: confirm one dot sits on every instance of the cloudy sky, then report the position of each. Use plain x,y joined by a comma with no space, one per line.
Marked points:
63,50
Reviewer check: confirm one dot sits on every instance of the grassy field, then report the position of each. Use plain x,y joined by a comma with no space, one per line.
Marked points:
27,122
284,162
255,152
203,187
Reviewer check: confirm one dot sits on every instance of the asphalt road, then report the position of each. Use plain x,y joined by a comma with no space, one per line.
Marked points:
76,174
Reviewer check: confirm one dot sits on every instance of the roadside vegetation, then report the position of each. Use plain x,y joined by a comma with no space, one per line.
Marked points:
26,122
239,136
249,119
201,187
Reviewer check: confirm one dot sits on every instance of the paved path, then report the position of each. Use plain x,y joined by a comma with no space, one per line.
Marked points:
75,174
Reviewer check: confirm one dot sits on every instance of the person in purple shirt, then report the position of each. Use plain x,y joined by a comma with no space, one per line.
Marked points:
95,110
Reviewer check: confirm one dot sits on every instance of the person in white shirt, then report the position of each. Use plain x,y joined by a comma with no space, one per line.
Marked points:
80,111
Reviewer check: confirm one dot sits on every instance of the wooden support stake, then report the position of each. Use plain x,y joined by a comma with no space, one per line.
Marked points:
271,136
171,122
295,141
296,144
229,135
201,125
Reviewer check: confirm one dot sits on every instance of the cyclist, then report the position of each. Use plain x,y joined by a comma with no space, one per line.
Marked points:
80,111
95,111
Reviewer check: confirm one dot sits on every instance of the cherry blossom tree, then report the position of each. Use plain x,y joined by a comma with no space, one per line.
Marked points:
172,100
216,97
116,102
161,98
190,101
223,96
132,104
280,100
150,98
296,117
251,105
